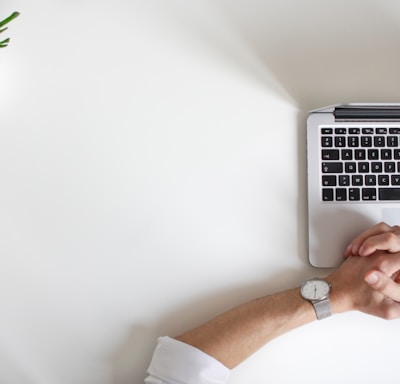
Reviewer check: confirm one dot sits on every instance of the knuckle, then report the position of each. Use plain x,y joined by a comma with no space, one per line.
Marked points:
383,226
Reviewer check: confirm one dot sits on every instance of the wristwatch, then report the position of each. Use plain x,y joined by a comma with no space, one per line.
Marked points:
316,291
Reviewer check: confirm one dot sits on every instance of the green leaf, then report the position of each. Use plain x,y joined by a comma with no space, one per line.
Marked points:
9,18
4,43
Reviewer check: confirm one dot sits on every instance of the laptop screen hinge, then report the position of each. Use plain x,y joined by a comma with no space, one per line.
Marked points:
367,113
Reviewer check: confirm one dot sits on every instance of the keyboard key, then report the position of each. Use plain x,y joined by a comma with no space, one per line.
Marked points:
370,180
340,141
383,180
326,141
395,179
392,141
368,131
341,194
366,141
327,194
381,131
329,181
390,166
333,167
359,154
347,154
353,141
379,141
389,193
340,131
373,154
350,167
369,194
376,167
394,131
344,180
354,131
363,167
396,154
326,131
357,180
330,154
354,194
386,154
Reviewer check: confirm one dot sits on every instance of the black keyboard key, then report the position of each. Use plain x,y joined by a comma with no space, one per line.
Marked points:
330,154
379,141
394,131
353,141
326,141
383,180
368,131
354,194
389,193
340,131
390,167
373,154
395,179
376,167
347,154
357,180
369,194
340,141
350,167
366,141
381,131
327,194
329,181
344,180
341,194
392,141
370,180
326,131
354,131
334,167
386,154
363,167
359,154
396,154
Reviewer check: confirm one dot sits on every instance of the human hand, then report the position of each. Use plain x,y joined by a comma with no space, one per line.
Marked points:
380,237
367,284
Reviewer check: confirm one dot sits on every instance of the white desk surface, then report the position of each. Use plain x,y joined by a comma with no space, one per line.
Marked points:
152,162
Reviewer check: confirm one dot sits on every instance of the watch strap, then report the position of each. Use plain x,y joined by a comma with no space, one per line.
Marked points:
322,308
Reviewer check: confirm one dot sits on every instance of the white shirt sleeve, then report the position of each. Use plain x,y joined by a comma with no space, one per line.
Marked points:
175,362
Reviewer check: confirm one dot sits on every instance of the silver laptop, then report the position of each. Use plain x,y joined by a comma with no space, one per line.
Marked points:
353,161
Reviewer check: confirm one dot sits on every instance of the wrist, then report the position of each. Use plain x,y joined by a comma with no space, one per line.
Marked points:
340,295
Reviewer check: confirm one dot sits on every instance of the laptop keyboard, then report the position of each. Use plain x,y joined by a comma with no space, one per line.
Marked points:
360,163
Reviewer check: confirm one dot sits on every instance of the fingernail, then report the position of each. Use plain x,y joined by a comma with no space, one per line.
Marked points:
348,249
371,278
361,250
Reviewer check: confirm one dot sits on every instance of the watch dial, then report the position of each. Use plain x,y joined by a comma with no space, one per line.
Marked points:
315,289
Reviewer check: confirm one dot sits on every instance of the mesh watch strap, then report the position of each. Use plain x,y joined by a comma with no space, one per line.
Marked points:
322,309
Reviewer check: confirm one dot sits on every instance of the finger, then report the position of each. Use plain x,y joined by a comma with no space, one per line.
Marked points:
383,284
354,246
388,241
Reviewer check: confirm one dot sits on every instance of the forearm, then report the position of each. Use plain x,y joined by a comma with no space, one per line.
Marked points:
238,333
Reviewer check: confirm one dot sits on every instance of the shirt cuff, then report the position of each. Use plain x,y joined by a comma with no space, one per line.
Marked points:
177,362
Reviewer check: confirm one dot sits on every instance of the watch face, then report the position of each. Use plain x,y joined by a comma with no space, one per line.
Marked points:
315,289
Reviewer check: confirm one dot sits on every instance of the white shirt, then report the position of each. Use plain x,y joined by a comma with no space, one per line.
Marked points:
175,362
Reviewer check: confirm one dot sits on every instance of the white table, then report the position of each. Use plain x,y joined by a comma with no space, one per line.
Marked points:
152,163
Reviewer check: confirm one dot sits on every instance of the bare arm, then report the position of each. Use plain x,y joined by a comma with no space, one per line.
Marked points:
236,334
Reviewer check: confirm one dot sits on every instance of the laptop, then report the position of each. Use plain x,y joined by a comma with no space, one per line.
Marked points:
353,165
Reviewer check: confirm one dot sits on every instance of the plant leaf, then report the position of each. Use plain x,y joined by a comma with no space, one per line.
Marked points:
9,18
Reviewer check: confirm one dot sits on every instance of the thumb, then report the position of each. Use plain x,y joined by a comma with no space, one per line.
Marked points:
383,284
